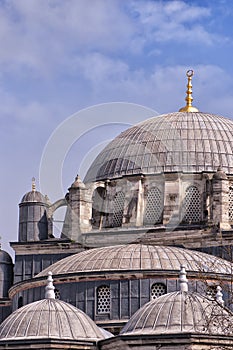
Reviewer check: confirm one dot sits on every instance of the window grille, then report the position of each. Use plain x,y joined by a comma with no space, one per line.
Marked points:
157,289
231,203
118,209
57,293
154,207
211,292
103,300
192,205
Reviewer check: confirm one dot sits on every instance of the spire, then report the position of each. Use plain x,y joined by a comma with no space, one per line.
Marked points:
183,279
49,289
189,97
33,184
219,295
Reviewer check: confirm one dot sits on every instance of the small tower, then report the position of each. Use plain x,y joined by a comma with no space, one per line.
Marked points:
78,214
33,223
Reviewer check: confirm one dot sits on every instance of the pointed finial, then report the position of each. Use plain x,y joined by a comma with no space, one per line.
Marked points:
219,295
49,289
189,97
33,184
183,279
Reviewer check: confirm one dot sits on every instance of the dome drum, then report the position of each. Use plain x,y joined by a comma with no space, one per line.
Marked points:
172,200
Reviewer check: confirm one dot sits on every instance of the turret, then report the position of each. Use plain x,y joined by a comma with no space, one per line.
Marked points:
33,223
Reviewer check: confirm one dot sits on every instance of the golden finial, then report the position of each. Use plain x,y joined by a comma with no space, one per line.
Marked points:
189,97
33,184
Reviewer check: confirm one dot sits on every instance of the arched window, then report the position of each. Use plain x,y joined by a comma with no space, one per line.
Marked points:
98,207
157,289
154,207
118,209
20,302
103,299
192,205
57,293
231,203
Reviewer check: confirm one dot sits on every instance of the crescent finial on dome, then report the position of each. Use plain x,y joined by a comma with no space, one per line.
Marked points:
189,97
33,184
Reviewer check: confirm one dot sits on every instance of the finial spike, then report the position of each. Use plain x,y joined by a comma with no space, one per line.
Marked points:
189,97
183,279
33,184
49,289
219,295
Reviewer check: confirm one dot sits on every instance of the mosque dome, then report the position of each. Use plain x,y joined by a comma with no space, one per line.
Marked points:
188,312
181,312
49,318
138,257
191,142
186,141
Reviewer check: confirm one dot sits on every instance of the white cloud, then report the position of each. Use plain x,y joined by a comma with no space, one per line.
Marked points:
45,36
174,20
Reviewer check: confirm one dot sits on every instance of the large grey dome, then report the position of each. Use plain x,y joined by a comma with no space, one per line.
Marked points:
49,318
182,141
180,312
138,257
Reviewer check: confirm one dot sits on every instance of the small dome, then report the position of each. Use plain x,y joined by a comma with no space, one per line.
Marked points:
49,318
33,196
180,312
5,258
138,257
180,141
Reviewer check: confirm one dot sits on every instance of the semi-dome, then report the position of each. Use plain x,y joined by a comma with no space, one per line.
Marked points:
184,141
139,257
181,312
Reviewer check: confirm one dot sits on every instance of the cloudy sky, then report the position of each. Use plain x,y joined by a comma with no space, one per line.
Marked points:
58,57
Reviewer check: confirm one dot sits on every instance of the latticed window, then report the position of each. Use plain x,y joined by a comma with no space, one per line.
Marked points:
231,203
57,293
192,205
157,289
103,299
154,207
211,292
118,209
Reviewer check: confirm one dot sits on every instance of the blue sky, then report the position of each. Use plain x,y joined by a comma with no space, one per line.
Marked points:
58,57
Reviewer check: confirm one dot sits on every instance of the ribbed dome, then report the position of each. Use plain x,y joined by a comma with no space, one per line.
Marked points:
180,312
33,196
139,257
189,142
49,318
